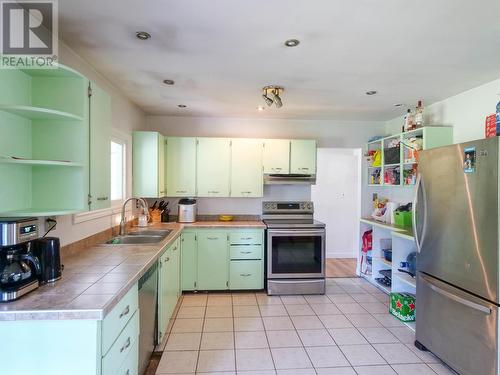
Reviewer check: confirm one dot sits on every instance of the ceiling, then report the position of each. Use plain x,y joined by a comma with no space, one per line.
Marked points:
222,52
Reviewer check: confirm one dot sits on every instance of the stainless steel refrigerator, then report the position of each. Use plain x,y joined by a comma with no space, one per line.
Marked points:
456,230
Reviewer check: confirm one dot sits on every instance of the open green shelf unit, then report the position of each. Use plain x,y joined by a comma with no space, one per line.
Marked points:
432,136
44,143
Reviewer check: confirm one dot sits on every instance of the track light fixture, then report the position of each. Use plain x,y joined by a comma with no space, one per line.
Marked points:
272,94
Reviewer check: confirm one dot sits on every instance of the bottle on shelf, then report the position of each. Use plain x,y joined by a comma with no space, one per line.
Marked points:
409,121
419,115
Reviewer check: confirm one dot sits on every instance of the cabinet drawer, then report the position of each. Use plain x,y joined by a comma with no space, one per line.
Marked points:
123,345
246,252
131,364
246,274
117,318
245,238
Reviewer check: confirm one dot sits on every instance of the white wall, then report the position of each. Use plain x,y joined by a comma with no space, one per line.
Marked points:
339,134
336,198
466,112
126,117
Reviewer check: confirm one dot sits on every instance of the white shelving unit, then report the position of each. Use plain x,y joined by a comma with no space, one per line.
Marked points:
402,245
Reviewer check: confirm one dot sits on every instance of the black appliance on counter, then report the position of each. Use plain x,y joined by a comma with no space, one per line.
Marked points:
47,251
19,268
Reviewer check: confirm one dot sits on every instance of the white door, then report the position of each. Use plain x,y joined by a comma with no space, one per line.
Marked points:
337,199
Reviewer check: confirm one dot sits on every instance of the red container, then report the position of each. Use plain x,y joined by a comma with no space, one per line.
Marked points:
490,127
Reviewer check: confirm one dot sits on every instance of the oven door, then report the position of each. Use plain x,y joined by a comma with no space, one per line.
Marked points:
295,253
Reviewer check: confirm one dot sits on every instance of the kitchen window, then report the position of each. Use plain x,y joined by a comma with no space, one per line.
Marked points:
118,171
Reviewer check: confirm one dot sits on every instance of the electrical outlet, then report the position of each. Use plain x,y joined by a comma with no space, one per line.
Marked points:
50,222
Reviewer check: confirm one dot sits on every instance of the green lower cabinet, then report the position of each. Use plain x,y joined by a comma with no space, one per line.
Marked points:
188,261
222,259
76,347
131,364
163,295
168,287
212,261
246,274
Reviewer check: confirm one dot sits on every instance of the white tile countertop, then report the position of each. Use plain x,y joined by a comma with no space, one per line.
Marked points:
94,280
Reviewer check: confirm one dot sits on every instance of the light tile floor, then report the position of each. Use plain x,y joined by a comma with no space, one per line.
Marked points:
346,332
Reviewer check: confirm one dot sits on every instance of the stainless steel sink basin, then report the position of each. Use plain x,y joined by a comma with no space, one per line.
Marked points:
150,232
140,237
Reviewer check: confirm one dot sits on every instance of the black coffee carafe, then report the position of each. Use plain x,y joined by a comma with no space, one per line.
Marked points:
47,251
19,271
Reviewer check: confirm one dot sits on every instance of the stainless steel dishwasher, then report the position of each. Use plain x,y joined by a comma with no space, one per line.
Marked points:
148,291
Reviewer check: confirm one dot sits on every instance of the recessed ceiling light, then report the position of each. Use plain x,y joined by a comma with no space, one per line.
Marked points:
260,108
399,104
292,42
181,105
168,81
143,35
371,92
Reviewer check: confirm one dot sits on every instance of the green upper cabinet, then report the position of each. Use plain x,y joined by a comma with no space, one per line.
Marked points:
148,164
303,156
214,164
181,167
100,148
213,265
276,156
246,168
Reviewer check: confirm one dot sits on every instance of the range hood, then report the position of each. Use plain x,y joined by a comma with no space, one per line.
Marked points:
289,179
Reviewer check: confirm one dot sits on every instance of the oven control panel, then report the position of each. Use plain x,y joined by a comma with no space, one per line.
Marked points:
287,207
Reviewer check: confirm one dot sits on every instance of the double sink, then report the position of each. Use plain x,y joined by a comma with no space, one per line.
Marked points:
138,237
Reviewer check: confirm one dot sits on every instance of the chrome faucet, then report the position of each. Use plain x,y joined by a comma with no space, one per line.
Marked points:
145,210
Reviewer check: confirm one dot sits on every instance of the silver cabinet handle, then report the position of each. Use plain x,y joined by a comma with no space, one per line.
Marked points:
277,169
166,260
102,198
175,248
212,238
246,192
245,274
127,344
304,169
245,252
213,192
128,372
125,312
181,191
245,238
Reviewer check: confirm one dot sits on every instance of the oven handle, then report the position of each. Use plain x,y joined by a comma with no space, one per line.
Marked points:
296,231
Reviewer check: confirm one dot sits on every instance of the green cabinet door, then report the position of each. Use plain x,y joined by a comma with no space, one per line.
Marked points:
161,166
175,272
163,294
276,156
100,149
189,266
246,168
213,261
303,156
213,170
246,274
181,167
148,164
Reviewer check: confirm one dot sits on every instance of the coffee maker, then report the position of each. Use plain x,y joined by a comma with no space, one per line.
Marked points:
19,268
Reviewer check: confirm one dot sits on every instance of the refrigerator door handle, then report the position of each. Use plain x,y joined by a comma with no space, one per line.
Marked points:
454,297
418,240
